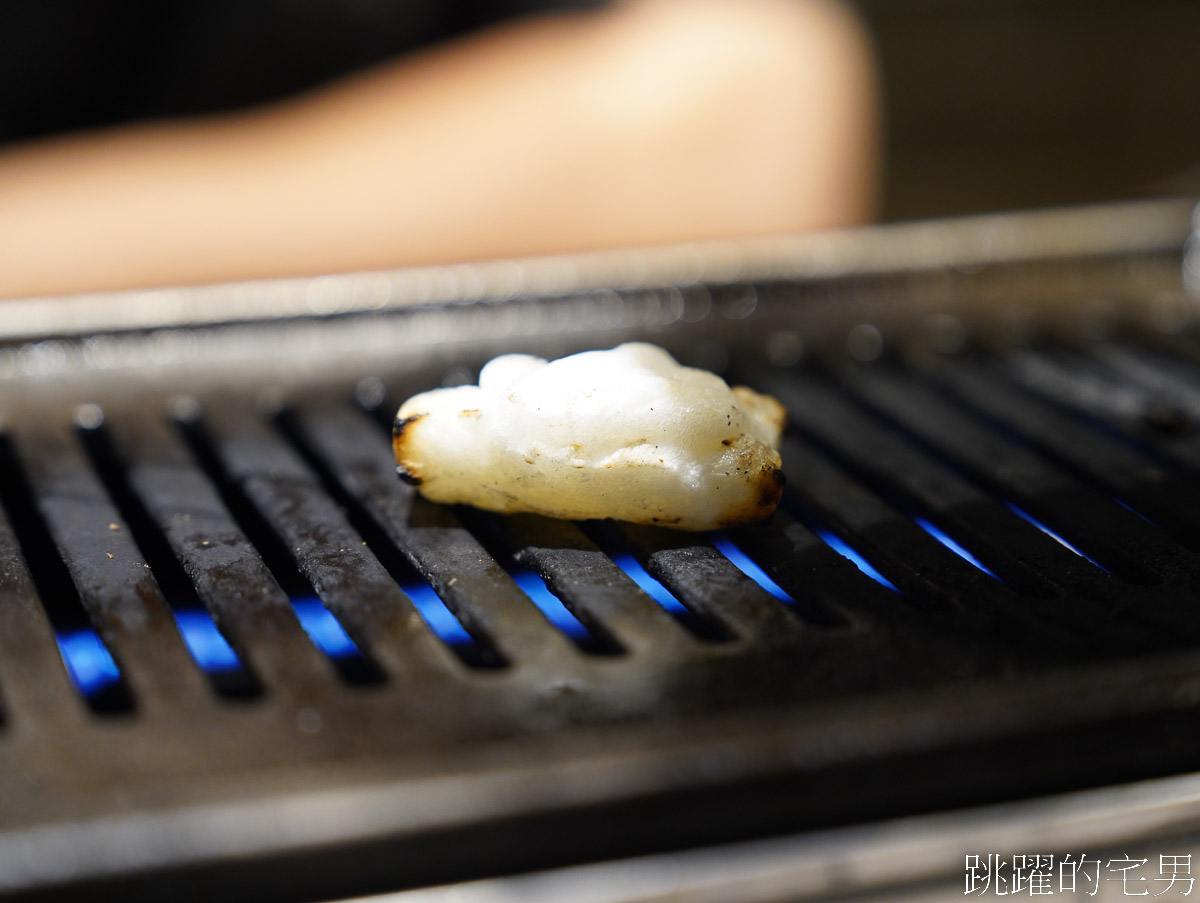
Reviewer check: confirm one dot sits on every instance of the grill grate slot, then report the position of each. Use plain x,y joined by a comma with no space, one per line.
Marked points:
347,577
259,560
594,585
33,681
931,567
706,581
1119,540
1168,499
936,581
1030,519
841,546
954,546
700,625
1086,388
890,463
474,649
586,631
474,587
449,628
914,481
748,566
114,584
207,646
884,534
830,591
198,515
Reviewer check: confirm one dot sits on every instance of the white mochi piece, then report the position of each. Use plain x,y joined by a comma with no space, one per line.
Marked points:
627,434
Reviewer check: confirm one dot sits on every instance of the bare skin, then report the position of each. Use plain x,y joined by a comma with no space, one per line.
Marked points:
653,121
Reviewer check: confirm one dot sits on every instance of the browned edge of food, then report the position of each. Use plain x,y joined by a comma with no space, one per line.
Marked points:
400,433
770,491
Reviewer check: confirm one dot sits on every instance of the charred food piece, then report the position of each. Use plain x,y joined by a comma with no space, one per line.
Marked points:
627,434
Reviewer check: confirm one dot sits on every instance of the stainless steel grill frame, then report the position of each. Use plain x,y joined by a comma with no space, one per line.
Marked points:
230,443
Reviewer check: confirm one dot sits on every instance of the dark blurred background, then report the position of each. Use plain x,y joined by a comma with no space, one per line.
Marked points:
997,104
68,64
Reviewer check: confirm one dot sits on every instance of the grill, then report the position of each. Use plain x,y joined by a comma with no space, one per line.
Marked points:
238,655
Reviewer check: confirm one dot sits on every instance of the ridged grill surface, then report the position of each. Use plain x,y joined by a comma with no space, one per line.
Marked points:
1070,475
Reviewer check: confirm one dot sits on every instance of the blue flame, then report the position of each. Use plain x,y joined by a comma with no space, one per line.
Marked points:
1026,516
747,566
840,546
89,663
551,606
1133,510
655,590
92,668
952,544
324,629
440,619
204,641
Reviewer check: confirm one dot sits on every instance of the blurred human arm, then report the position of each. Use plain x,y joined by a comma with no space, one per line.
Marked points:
651,121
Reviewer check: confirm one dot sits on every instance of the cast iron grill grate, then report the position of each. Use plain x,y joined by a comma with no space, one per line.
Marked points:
983,519
237,653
